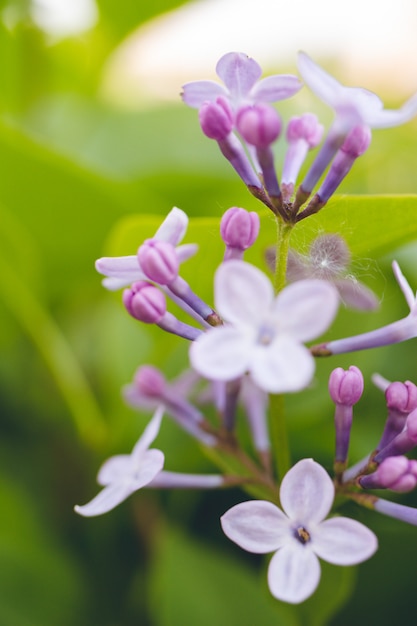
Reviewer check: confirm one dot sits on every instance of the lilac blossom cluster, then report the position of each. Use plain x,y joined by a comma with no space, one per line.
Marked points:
249,348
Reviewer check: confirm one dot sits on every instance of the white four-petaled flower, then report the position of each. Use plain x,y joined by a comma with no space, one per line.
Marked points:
123,474
264,335
299,533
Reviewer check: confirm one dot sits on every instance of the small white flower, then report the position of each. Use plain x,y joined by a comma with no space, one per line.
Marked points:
264,334
123,474
297,534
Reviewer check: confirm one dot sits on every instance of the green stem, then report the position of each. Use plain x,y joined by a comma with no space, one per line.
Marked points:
279,435
278,427
57,354
283,243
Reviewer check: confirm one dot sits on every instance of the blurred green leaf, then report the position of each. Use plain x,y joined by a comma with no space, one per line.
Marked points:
192,583
40,584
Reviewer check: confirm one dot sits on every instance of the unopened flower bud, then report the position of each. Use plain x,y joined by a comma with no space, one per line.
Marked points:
216,119
405,441
150,381
239,228
346,387
158,261
401,396
306,127
145,302
259,125
396,473
357,141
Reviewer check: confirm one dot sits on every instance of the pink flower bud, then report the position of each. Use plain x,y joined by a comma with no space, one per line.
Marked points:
158,261
259,125
145,302
239,228
357,141
346,387
216,119
411,426
401,396
150,381
305,127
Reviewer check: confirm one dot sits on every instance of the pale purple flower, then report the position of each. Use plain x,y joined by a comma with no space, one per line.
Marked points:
354,104
124,474
264,334
299,534
399,331
125,270
240,75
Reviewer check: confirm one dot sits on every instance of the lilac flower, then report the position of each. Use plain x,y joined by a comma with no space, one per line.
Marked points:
399,331
353,107
240,75
125,270
265,334
299,533
396,473
124,474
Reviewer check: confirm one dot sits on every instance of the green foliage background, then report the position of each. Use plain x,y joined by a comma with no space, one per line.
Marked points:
79,179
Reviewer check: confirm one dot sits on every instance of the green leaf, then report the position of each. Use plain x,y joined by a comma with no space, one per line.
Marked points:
194,584
40,584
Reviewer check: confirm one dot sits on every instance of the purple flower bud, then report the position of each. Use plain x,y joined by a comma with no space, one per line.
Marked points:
401,396
150,381
357,141
306,127
396,473
405,441
346,387
239,228
158,261
145,302
216,119
259,125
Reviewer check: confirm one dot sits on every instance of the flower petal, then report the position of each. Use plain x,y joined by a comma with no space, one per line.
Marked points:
387,118
239,73
319,81
222,353
274,88
404,285
356,295
306,308
242,293
114,469
197,92
307,492
173,228
283,366
186,251
343,541
256,526
149,434
293,574
106,500
120,271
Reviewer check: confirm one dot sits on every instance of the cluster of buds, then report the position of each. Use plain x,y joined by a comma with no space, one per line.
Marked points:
239,116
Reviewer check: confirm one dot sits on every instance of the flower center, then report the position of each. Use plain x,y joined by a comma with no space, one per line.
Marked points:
302,534
266,334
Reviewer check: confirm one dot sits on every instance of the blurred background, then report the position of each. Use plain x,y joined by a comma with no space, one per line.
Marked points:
92,131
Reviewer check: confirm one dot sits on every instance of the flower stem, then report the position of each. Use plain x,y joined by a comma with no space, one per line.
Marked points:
279,436
281,255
